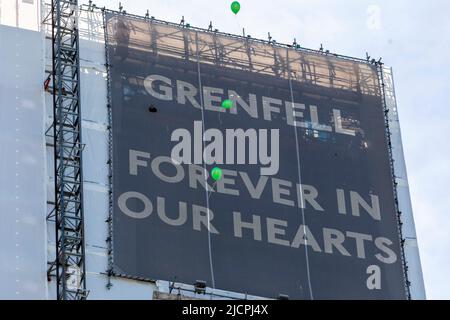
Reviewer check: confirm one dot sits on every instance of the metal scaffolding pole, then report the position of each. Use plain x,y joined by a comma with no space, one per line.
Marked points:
68,213
394,182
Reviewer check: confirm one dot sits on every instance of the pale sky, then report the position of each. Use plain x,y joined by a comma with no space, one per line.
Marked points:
412,36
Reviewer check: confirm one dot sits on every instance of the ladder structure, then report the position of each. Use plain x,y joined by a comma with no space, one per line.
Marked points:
69,264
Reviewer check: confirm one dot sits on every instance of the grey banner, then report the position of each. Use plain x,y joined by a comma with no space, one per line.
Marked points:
324,226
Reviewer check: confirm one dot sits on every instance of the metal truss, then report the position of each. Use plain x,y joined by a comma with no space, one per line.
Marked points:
68,212
245,53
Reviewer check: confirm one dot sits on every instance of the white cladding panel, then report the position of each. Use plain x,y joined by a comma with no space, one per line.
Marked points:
404,199
95,136
95,168
23,261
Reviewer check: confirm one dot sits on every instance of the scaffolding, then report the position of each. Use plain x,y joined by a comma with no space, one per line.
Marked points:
310,67
69,264
313,68
394,182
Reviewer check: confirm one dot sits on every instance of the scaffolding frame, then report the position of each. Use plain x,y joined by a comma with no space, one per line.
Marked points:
394,183
69,264
68,212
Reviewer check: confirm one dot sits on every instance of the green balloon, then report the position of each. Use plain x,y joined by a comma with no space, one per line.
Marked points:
216,173
227,104
235,7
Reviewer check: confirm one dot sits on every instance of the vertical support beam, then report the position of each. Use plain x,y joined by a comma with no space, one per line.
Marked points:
110,271
68,148
411,249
